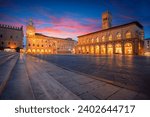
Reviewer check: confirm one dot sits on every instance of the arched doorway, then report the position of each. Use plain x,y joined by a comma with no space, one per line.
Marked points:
128,48
79,50
83,50
92,49
87,49
103,49
109,49
33,51
96,49
29,51
118,49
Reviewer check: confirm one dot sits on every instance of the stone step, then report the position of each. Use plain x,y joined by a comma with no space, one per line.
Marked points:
45,86
18,87
6,70
6,57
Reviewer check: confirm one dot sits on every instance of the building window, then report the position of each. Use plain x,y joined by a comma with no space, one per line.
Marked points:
37,45
42,45
8,43
118,35
11,36
2,43
128,35
29,44
97,39
1,36
110,38
33,44
92,40
103,38
14,43
16,37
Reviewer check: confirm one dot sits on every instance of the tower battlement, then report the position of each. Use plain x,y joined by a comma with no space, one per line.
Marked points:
11,27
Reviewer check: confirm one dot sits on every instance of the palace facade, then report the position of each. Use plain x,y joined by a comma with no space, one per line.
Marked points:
147,46
123,39
11,38
41,44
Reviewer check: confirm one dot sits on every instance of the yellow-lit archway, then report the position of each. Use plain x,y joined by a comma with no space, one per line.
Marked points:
33,51
79,49
128,48
109,49
92,49
118,49
103,49
87,49
96,49
38,50
83,50
29,51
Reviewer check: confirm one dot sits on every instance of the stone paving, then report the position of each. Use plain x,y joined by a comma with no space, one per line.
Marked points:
85,86
34,78
131,72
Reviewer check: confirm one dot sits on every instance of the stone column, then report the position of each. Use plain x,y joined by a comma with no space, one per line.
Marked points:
122,46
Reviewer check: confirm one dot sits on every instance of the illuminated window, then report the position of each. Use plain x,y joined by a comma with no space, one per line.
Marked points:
118,35
103,38
97,39
128,35
110,38
92,40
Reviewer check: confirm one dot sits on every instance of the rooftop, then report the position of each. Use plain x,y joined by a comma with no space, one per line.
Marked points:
54,37
11,27
135,22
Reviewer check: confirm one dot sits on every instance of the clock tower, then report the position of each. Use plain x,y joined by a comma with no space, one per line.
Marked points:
30,29
106,20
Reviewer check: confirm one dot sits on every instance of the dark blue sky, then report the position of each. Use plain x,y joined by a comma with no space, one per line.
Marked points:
70,18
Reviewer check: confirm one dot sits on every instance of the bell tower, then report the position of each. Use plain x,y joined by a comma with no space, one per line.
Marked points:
30,29
106,20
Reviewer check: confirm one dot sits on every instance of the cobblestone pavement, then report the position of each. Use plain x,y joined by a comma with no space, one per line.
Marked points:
131,72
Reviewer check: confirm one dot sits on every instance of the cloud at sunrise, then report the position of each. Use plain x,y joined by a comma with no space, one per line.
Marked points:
69,18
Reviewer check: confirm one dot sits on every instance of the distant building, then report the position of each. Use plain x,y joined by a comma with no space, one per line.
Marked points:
41,44
123,39
147,46
11,38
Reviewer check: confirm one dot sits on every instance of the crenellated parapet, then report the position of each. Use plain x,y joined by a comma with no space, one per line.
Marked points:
11,27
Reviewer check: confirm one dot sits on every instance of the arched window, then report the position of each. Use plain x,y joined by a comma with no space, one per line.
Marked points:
110,37
103,38
97,39
92,40
118,36
128,35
